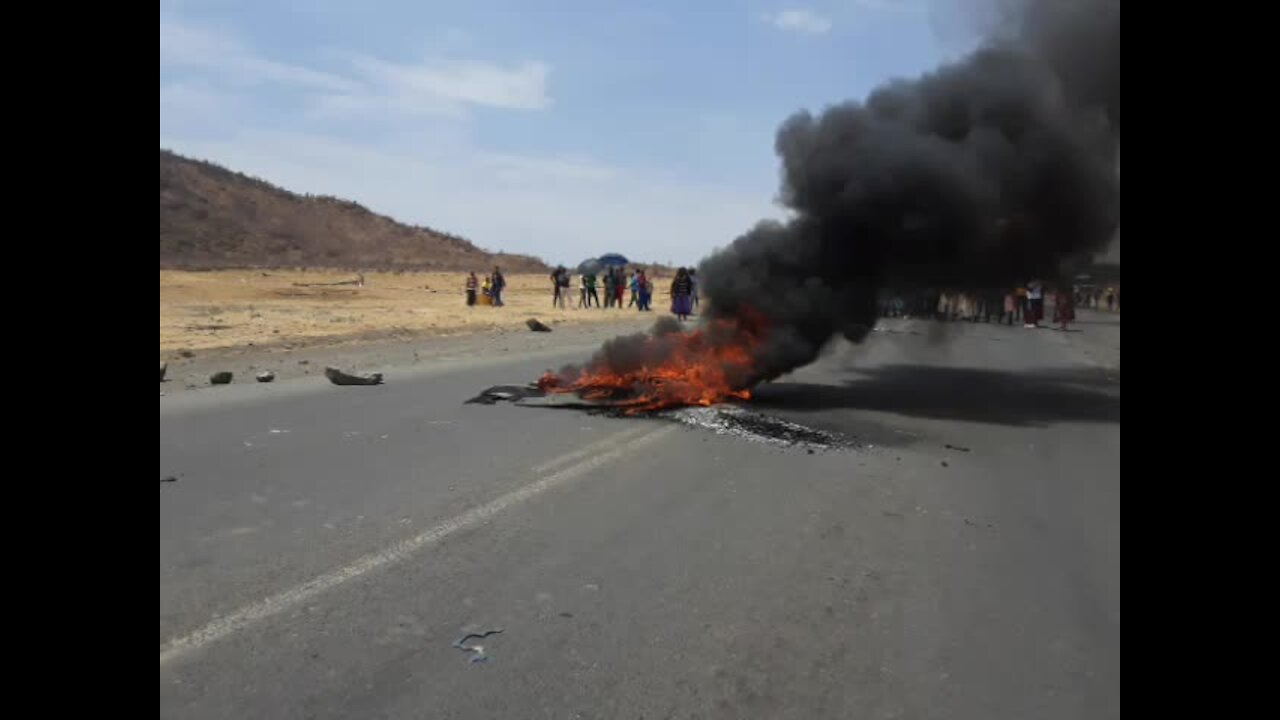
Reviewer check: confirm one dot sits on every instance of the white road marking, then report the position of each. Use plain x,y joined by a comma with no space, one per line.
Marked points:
596,447
221,627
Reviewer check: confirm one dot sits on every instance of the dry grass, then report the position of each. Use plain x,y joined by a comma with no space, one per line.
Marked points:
235,308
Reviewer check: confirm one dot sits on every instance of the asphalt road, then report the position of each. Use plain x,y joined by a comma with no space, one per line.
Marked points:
324,547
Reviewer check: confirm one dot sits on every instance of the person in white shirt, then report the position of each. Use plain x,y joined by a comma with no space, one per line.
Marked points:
1035,299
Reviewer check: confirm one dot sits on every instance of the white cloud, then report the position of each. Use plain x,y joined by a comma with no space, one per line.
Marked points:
522,87
804,21
188,46
370,102
367,84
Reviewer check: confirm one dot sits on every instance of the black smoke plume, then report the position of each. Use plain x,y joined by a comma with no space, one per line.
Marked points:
989,171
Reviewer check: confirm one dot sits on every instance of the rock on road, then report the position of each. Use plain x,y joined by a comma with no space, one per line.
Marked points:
322,548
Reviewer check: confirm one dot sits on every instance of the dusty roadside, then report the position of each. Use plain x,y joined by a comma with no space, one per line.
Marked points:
301,358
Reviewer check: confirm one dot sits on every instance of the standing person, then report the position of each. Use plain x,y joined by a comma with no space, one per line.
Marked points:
558,296
1111,299
1023,306
582,290
608,287
1064,309
1035,304
591,289
634,283
472,285
1010,307
486,291
644,289
681,295
693,283
499,284
566,285
619,287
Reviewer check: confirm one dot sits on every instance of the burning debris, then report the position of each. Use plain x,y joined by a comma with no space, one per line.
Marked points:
664,368
986,172
721,419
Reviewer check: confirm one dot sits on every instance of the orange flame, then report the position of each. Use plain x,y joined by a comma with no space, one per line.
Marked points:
694,370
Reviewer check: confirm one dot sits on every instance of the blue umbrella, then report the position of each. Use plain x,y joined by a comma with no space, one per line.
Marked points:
614,259
590,267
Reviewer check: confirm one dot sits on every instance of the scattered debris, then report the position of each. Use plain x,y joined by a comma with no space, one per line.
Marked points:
479,655
566,614
169,479
757,427
304,362
536,326
266,376
163,368
186,354
220,378
338,377
967,521
957,447
944,464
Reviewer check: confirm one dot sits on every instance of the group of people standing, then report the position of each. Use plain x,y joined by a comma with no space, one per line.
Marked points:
616,282
488,292
1024,303
1098,298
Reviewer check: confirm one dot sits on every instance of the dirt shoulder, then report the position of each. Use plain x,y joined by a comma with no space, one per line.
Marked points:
374,353
230,309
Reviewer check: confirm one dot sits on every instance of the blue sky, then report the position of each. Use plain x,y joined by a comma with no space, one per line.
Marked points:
562,129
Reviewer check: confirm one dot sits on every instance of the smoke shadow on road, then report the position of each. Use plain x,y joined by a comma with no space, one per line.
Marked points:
1025,399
